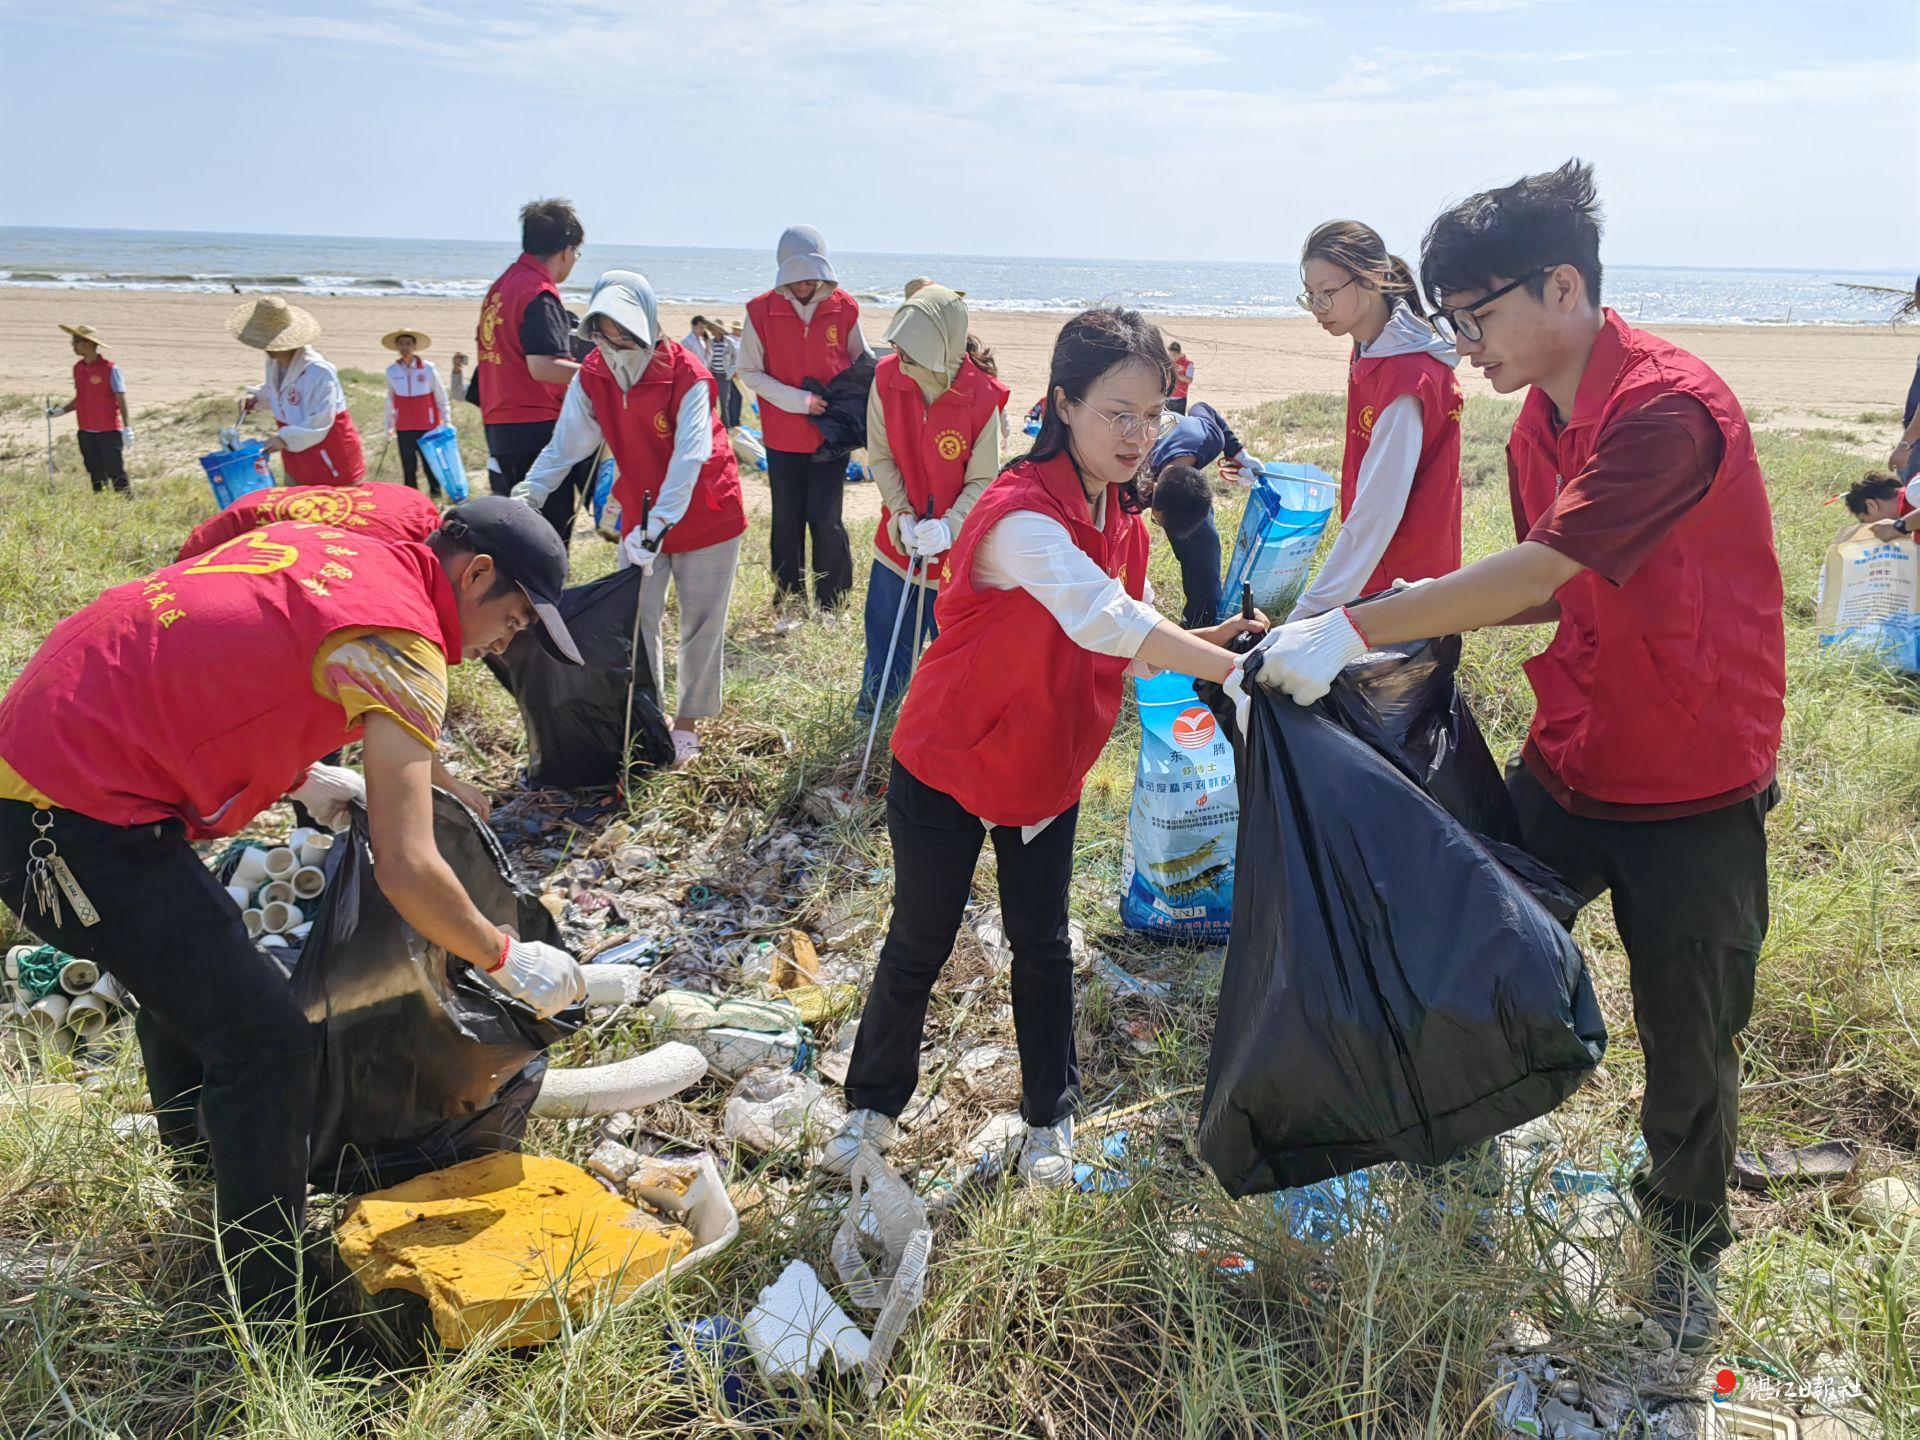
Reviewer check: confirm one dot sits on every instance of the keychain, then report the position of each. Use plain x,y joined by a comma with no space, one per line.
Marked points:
48,877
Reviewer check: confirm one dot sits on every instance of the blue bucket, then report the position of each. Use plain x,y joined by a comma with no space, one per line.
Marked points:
440,448
234,473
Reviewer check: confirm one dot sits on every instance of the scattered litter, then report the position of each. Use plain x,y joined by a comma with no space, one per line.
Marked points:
613,984
839,1055
1103,1177
716,1344
820,1004
1889,1202
773,1108
624,1085
731,1053
1825,1161
796,1324
798,964
1322,1212
1176,861
613,1161
884,1207
1125,986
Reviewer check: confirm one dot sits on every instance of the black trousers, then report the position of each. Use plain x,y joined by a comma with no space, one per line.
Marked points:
218,1027
936,844
504,471
1178,405
729,401
410,465
807,493
1690,898
105,456
1199,557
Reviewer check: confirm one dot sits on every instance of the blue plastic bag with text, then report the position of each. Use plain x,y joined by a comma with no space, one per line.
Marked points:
1177,863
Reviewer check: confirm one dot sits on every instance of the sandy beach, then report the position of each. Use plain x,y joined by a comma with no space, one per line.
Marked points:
175,346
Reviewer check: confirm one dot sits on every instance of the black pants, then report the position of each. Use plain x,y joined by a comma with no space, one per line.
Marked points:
1690,898
807,492
104,452
504,471
1178,405
1199,557
935,846
218,1027
410,464
729,401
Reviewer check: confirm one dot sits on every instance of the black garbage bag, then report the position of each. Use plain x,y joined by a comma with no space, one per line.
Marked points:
423,1062
1393,990
575,715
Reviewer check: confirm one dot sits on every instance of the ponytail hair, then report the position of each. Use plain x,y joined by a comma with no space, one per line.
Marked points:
1089,345
982,357
1359,250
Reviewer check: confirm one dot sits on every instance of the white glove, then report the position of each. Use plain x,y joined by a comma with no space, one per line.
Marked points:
900,528
56,410
546,977
1302,658
327,792
1246,470
530,492
1236,687
126,435
932,537
641,548
1412,584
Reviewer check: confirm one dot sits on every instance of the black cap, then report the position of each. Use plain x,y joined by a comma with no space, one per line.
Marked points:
528,552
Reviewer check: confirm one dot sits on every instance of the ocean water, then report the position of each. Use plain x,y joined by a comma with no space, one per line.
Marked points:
332,265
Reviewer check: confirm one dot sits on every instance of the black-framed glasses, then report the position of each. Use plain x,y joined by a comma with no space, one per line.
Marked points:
1321,300
1460,323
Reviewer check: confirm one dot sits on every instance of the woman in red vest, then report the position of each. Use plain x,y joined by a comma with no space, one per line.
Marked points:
316,435
1646,538
933,439
99,405
805,328
1043,611
655,404
1400,475
416,400
1183,369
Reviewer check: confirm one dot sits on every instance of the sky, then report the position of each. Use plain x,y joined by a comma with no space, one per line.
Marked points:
1770,133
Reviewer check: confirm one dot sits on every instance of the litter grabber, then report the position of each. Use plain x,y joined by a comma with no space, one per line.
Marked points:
920,606
381,463
915,566
48,407
633,656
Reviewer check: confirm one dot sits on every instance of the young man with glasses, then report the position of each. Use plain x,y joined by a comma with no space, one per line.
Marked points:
1644,532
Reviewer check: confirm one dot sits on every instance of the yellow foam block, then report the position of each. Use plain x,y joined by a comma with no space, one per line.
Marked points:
505,1241
818,1004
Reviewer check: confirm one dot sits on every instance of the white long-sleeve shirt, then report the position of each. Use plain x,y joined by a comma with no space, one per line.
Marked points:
577,435
305,398
1380,494
751,371
420,378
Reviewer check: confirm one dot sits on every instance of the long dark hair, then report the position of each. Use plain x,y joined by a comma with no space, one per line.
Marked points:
1359,250
982,357
1090,344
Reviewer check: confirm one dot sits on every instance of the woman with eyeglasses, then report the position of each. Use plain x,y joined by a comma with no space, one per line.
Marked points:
1400,473
1044,608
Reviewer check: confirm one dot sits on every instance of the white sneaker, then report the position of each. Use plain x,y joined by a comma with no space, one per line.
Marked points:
686,745
1047,1156
787,624
862,1128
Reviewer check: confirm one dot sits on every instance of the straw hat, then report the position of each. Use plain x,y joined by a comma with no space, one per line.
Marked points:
85,332
917,284
270,323
421,340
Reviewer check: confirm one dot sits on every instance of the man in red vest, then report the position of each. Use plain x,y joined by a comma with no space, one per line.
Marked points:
177,708
805,328
1645,533
526,357
100,405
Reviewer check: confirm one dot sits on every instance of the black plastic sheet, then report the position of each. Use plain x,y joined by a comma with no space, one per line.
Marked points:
575,715
1397,986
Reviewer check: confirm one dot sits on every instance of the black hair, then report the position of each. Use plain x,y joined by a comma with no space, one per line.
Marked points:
1524,228
1088,346
449,545
549,226
1874,485
1182,499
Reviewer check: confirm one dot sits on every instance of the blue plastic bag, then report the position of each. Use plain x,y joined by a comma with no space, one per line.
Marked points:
1287,512
440,449
1177,864
602,489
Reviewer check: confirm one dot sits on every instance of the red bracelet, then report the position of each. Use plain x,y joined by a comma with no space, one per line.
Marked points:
1356,627
506,944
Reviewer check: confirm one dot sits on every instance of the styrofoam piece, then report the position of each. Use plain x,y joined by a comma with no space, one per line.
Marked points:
627,1085
612,984
613,1161
772,1107
707,1213
281,863
796,1324
308,881
732,1053
78,976
300,932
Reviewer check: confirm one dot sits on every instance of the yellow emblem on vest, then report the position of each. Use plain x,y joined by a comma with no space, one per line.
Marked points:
833,334
1366,420
315,506
93,379
660,423
489,324
950,444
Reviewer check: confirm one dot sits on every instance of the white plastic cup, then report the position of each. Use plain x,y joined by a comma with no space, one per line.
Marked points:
313,851
77,976
251,868
281,863
280,917
308,882
87,1017
276,891
256,922
240,895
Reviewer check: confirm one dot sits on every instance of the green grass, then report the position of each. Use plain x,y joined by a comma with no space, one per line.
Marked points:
1047,1315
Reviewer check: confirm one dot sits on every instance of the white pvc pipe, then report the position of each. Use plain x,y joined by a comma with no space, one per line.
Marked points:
111,991
251,869
14,957
276,891
299,932
77,976
255,922
308,882
628,1085
280,917
240,895
87,1017
48,1013
281,863
300,836
612,984
313,851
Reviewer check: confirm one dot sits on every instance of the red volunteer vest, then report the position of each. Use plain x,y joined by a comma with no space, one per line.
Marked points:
391,514
1006,714
508,394
1182,378
1427,544
1670,688
95,407
336,460
190,695
414,408
797,350
932,444
639,428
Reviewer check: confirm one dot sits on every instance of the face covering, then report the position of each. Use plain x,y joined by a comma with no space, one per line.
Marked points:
626,299
627,365
929,332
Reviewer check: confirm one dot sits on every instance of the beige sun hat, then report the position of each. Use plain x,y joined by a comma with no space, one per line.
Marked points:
920,282
270,323
86,332
421,340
